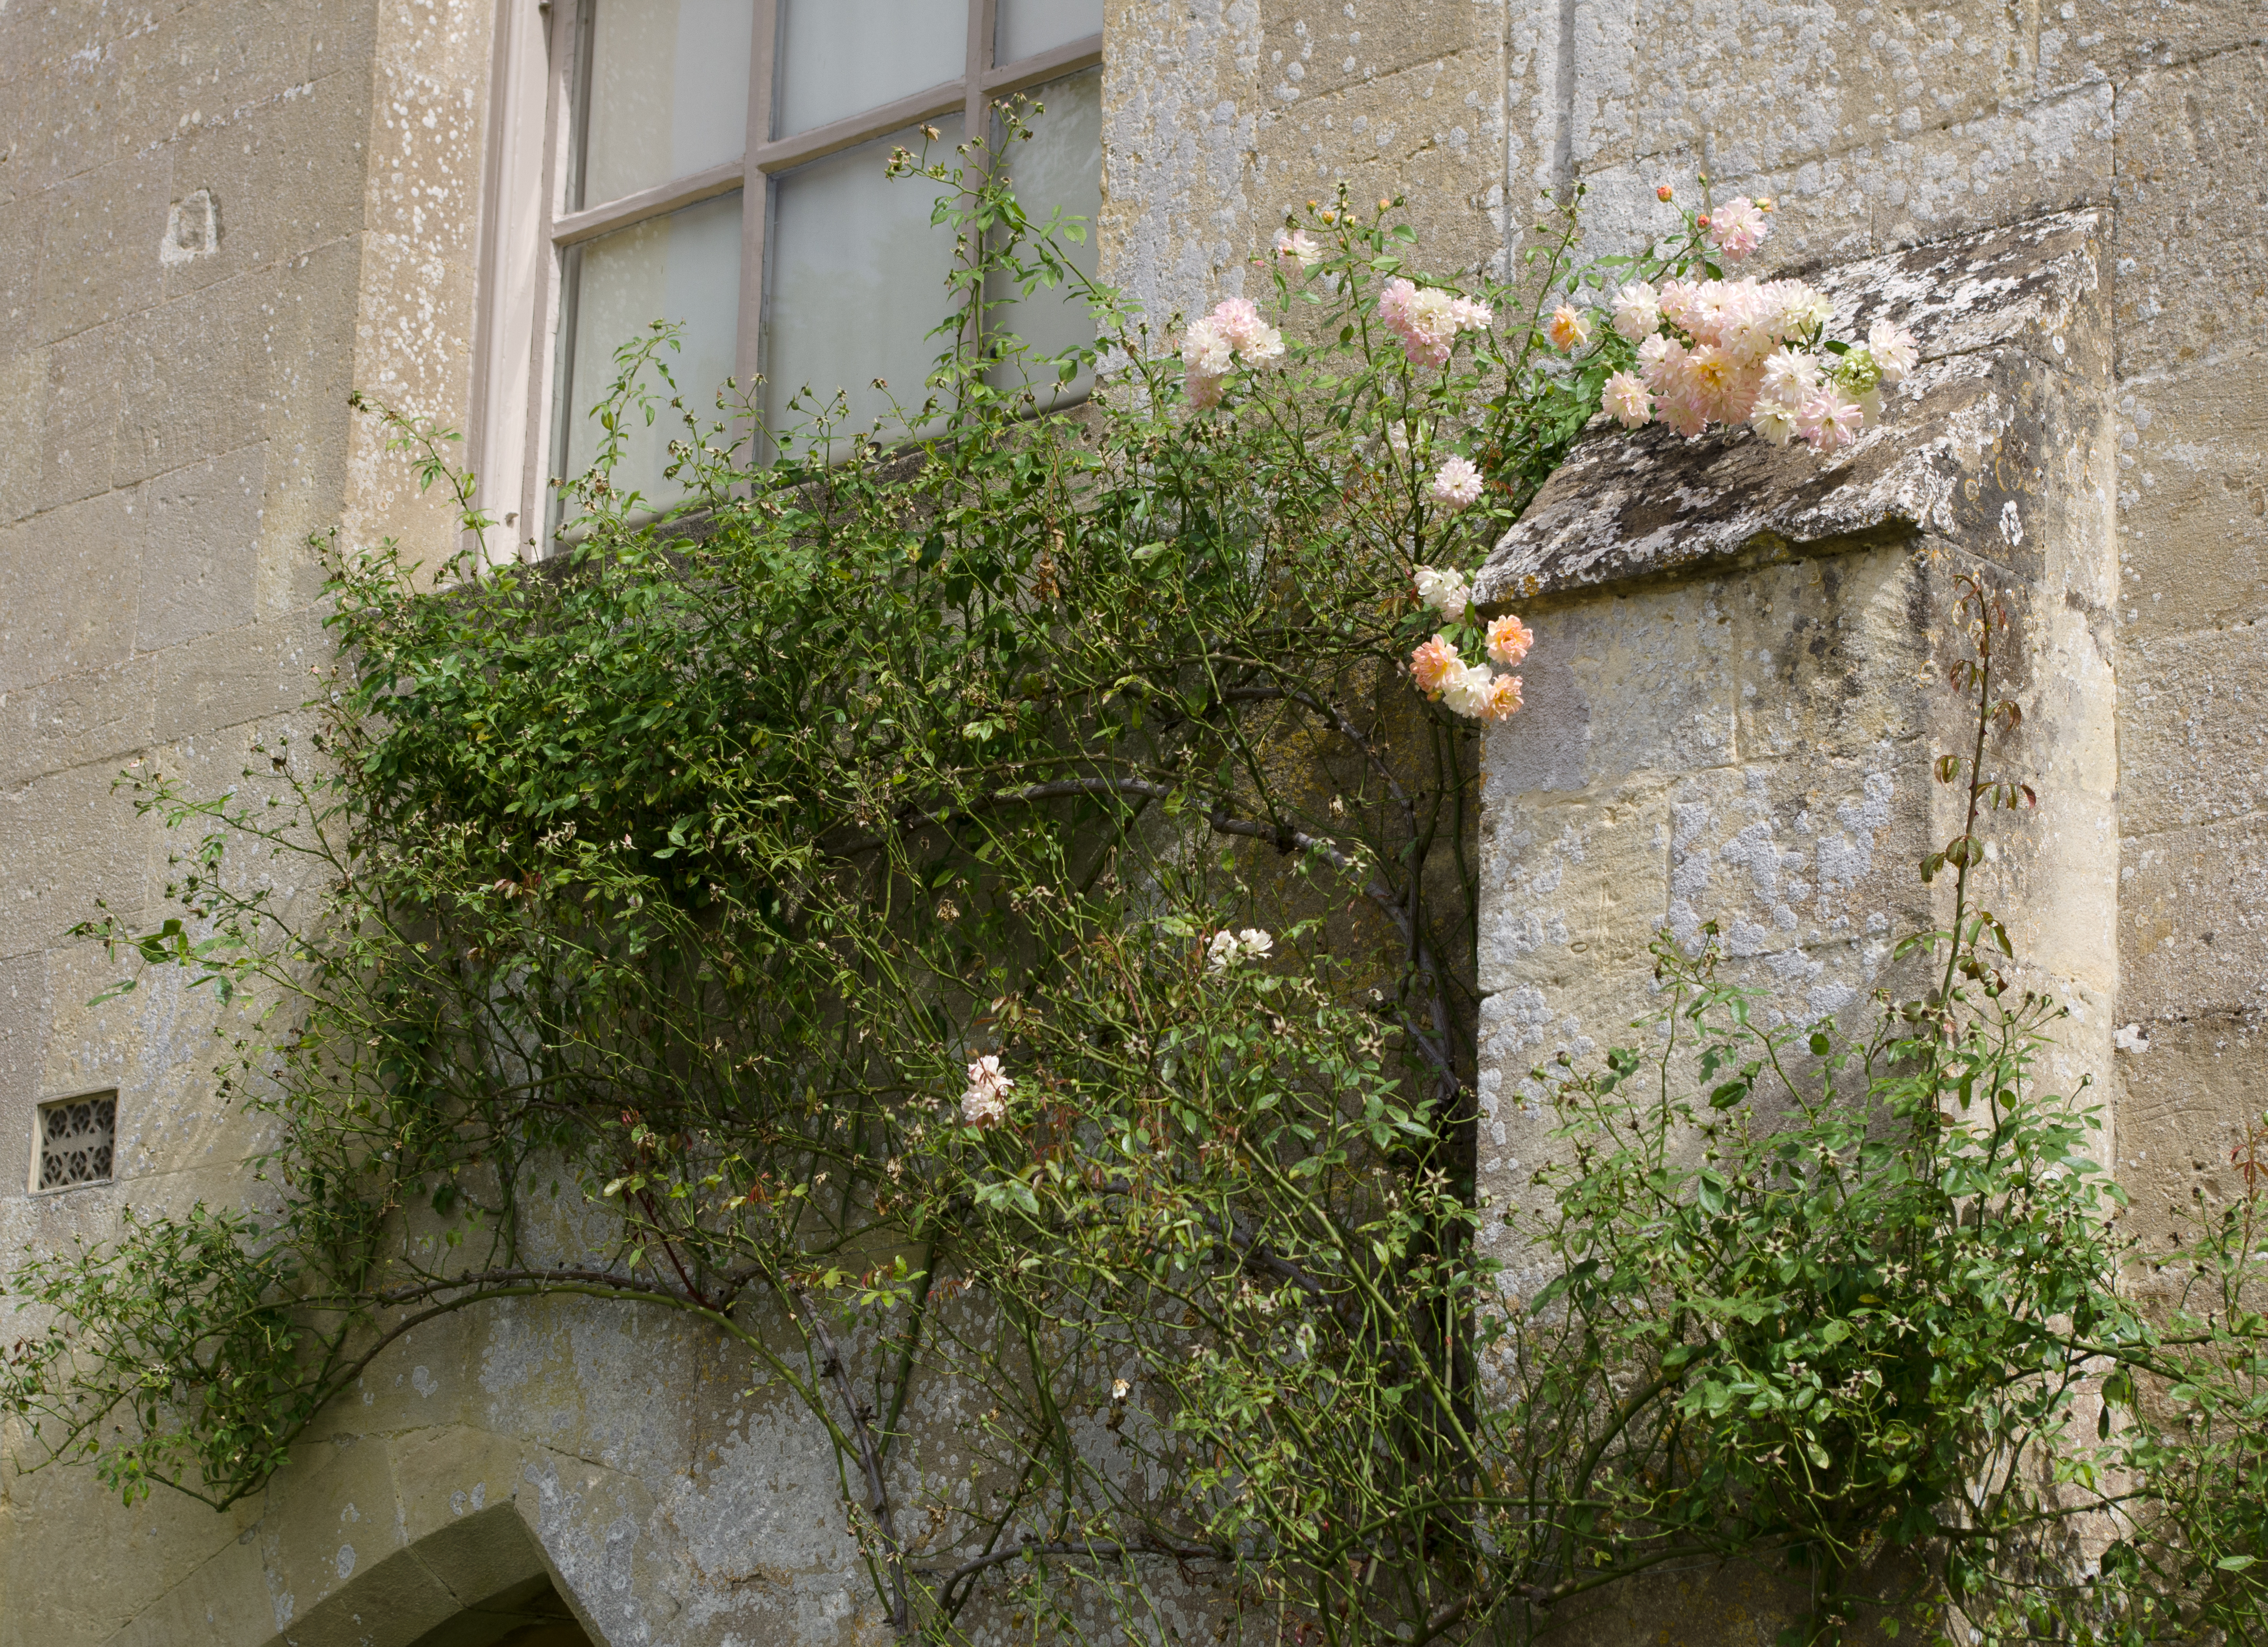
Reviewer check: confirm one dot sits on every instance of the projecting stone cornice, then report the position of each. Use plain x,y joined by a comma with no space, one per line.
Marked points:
2010,323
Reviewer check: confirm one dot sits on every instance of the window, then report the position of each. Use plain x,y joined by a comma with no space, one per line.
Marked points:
77,1135
719,163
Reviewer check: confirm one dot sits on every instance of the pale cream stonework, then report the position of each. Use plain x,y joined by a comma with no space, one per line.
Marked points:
172,425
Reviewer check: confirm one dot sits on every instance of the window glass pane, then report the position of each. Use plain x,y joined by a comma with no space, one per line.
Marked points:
857,279
1061,165
1027,27
685,267
668,93
838,57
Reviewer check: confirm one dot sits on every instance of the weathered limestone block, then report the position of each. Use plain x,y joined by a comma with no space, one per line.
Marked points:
2191,262
1737,687
2192,233
287,180
101,226
2192,504
78,422
67,833
2189,1087
2193,737
1220,116
1180,115
1989,311
1654,75
1421,133
205,517
1395,97
2193,924
66,590
1875,162
23,402
23,1036
1315,46
2112,40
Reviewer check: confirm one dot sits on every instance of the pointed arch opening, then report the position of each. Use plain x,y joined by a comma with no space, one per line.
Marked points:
479,1580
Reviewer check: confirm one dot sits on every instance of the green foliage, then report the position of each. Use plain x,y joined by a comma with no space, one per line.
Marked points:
693,877
2193,1563
218,1390
1861,1313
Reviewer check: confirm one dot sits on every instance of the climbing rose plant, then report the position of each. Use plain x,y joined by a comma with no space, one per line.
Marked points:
1709,351
983,906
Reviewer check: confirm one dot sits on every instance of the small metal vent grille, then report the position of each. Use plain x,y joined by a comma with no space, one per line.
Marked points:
75,1138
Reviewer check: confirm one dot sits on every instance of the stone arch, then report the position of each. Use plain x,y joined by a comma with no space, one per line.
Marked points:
480,1580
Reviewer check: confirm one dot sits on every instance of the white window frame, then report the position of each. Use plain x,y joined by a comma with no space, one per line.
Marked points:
526,230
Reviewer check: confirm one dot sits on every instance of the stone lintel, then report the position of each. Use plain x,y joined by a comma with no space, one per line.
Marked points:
2005,318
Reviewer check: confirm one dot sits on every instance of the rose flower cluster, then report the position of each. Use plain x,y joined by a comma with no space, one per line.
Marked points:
1427,320
1212,343
985,1104
1474,691
1742,351
1711,351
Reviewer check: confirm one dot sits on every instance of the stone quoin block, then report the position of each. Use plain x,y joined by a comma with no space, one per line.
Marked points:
1737,689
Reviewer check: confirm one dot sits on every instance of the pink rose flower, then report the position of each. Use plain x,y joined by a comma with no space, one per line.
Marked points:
1627,401
1737,226
1296,251
1894,351
1467,691
1428,320
1568,329
1508,640
1433,665
1637,311
1457,485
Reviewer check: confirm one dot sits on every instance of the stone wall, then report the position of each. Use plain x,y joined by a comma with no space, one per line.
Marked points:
216,218
1739,692
1873,127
